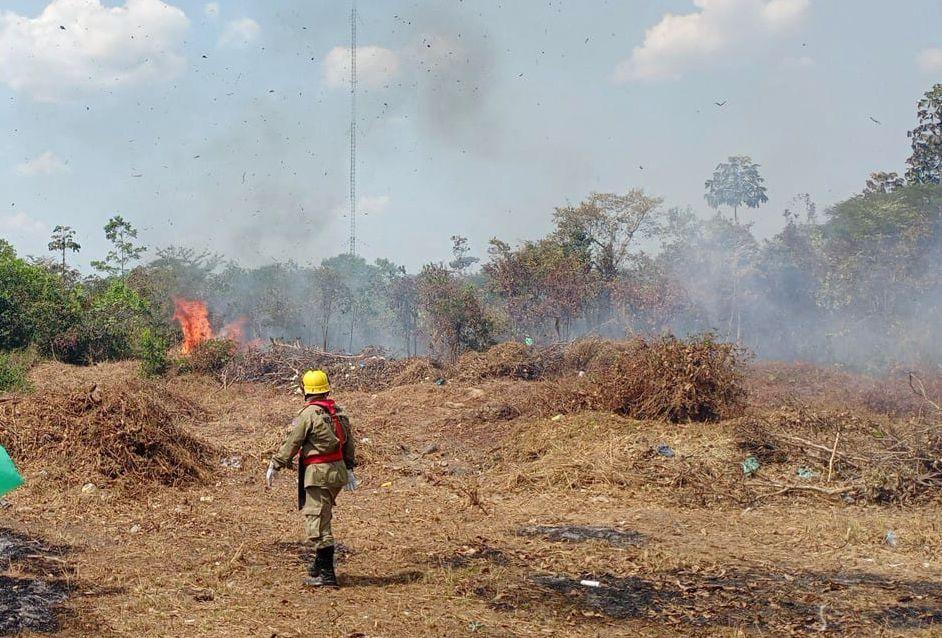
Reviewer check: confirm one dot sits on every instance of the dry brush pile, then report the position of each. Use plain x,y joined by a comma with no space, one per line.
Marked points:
856,456
127,432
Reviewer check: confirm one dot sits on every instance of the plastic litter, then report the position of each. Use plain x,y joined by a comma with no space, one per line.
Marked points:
590,583
750,465
10,478
233,462
439,381
806,473
528,341
892,539
665,450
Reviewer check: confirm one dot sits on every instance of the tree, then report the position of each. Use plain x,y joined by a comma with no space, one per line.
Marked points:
539,281
601,231
121,235
462,254
402,300
925,164
63,239
883,183
736,183
456,319
332,295
604,226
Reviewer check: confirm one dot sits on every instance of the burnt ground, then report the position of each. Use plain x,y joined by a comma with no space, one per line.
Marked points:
31,599
472,537
583,533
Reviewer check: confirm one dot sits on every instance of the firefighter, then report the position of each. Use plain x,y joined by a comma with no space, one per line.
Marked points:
322,434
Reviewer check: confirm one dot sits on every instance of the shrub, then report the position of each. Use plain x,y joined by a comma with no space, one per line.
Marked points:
14,370
152,351
671,379
210,357
35,303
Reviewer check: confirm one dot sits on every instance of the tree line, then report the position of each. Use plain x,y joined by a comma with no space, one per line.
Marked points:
859,282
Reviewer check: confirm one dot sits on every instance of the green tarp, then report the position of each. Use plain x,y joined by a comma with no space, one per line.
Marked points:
10,479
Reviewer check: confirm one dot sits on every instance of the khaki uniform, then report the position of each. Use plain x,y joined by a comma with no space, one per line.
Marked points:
314,433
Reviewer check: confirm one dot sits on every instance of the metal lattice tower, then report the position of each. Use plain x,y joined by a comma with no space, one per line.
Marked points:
353,128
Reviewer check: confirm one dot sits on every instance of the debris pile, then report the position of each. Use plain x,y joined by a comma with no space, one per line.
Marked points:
671,379
510,360
125,431
844,454
282,364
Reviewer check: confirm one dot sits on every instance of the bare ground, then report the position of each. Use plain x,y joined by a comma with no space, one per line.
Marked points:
444,537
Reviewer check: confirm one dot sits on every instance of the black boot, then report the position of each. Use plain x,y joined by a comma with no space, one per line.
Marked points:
324,568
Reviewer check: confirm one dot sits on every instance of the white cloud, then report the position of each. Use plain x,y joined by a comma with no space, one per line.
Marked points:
22,224
211,9
99,47
47,163
680,42
930,60
239,33
375,66
372,204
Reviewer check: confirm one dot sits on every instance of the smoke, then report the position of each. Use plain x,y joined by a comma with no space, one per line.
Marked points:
455,67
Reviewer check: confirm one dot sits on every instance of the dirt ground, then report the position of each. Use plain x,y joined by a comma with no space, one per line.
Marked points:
471,522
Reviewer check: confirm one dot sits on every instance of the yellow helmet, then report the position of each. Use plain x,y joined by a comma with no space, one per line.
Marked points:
315,382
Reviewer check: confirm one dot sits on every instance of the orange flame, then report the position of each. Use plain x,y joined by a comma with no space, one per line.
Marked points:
193,316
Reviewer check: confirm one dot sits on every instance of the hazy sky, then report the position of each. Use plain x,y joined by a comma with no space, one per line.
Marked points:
224,125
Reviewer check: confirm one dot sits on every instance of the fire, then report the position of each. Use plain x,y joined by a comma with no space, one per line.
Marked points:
235,330
193,316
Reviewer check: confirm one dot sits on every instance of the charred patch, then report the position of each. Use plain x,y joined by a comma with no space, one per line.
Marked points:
28,602
583,533
482,553
783,603
32,555
618,598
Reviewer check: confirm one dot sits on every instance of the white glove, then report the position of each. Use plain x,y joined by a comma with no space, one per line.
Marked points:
271,474
352,481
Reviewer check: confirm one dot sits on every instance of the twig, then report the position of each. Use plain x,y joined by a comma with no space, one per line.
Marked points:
921,390
805,488
837,439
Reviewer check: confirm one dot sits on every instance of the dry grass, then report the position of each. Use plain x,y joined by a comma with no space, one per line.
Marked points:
434,552
128,431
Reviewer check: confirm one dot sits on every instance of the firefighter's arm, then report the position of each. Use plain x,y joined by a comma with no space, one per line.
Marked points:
293,443
349,446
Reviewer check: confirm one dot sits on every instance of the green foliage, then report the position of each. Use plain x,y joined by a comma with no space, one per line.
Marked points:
14,370
925,164
543,286
152,351
121,234
736,182
455,317
107,329
63,240
35,304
